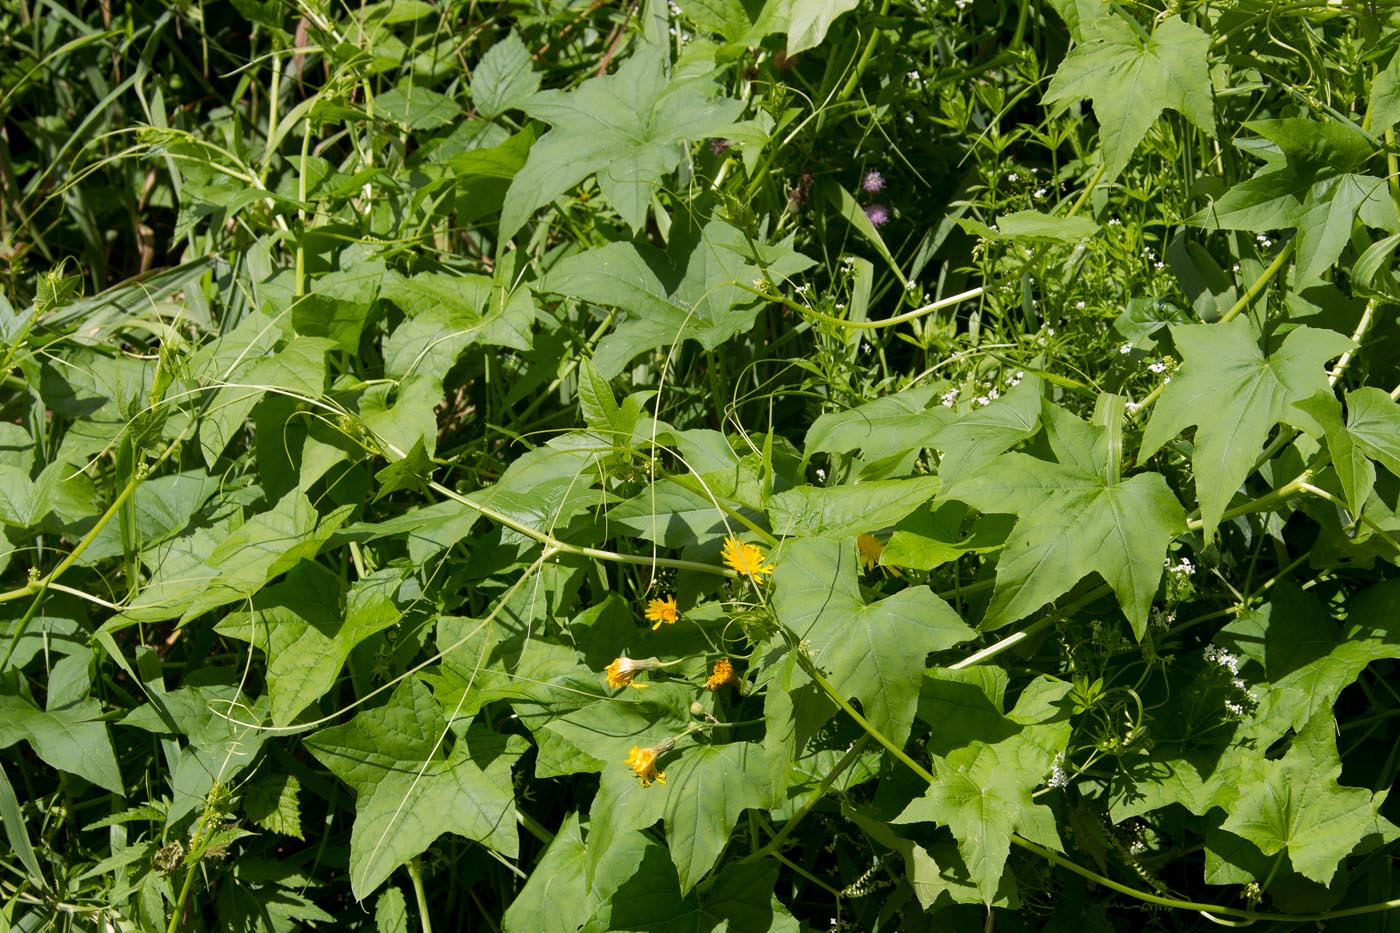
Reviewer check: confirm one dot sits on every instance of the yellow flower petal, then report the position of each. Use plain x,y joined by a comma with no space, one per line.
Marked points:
743,558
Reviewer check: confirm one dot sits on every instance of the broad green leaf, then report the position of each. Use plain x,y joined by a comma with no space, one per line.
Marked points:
416,108
929,539
1073,519
981,802
903,421
1131,82
843,511
338,304
306,634
873,652
272,803
72,738
980,436
1385,97
1296,803
809,20
1354,471
1235,394
1373,424
710,787
1033,225
504,78
224,732
741,898
625,129
1307,658
20,502
408,792
708,302
674,516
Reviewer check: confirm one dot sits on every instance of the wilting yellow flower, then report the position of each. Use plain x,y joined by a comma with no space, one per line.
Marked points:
724,674
744,559
662,610
621,671
643,762
869,548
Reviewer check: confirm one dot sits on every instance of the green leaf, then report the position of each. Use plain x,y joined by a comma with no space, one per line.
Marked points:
874,652
73,738
17,833
889,425
1074,518
408,792
707,303
980,436
307,636
623,128
412,471
1385,97
1131,81
929,539
1308,660
809,20
1033,225
504,78
982,802
1373,424
390,912
843,511
272,803
709,787
1296,803
1235,394
417,108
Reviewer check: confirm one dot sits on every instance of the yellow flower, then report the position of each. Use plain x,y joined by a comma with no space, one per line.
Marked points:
869,548
621,671
724,674
744,559
662,610
643,762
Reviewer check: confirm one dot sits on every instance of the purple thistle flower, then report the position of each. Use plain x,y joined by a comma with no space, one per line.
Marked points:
873,181
879,214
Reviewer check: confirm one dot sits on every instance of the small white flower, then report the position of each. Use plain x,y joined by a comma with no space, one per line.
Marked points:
1235,268
993,394
1159,266
1039,193
949,397
1058,777
982,400
1158,367
1126,349
1050,331
1114,222
1080,305
1013,177
821,475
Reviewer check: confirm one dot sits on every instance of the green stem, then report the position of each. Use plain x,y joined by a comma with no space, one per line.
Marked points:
1262,282
415,872
846,761
864,61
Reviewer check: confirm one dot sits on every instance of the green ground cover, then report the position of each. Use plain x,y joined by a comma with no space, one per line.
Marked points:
798,465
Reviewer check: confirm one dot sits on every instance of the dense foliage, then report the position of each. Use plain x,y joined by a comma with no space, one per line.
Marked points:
734,464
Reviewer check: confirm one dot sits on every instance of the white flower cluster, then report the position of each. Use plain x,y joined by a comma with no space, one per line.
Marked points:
1246,700
1058,775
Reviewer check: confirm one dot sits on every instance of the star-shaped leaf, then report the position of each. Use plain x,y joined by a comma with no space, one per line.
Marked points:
1295,803
1074,518
874,652
1235,394
408,792
1131,81
623,128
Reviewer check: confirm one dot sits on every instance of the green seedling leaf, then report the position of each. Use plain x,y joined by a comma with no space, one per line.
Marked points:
1131,81
1235,393
504,78
624,128
408,791
1296,804
1074,518
873,652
